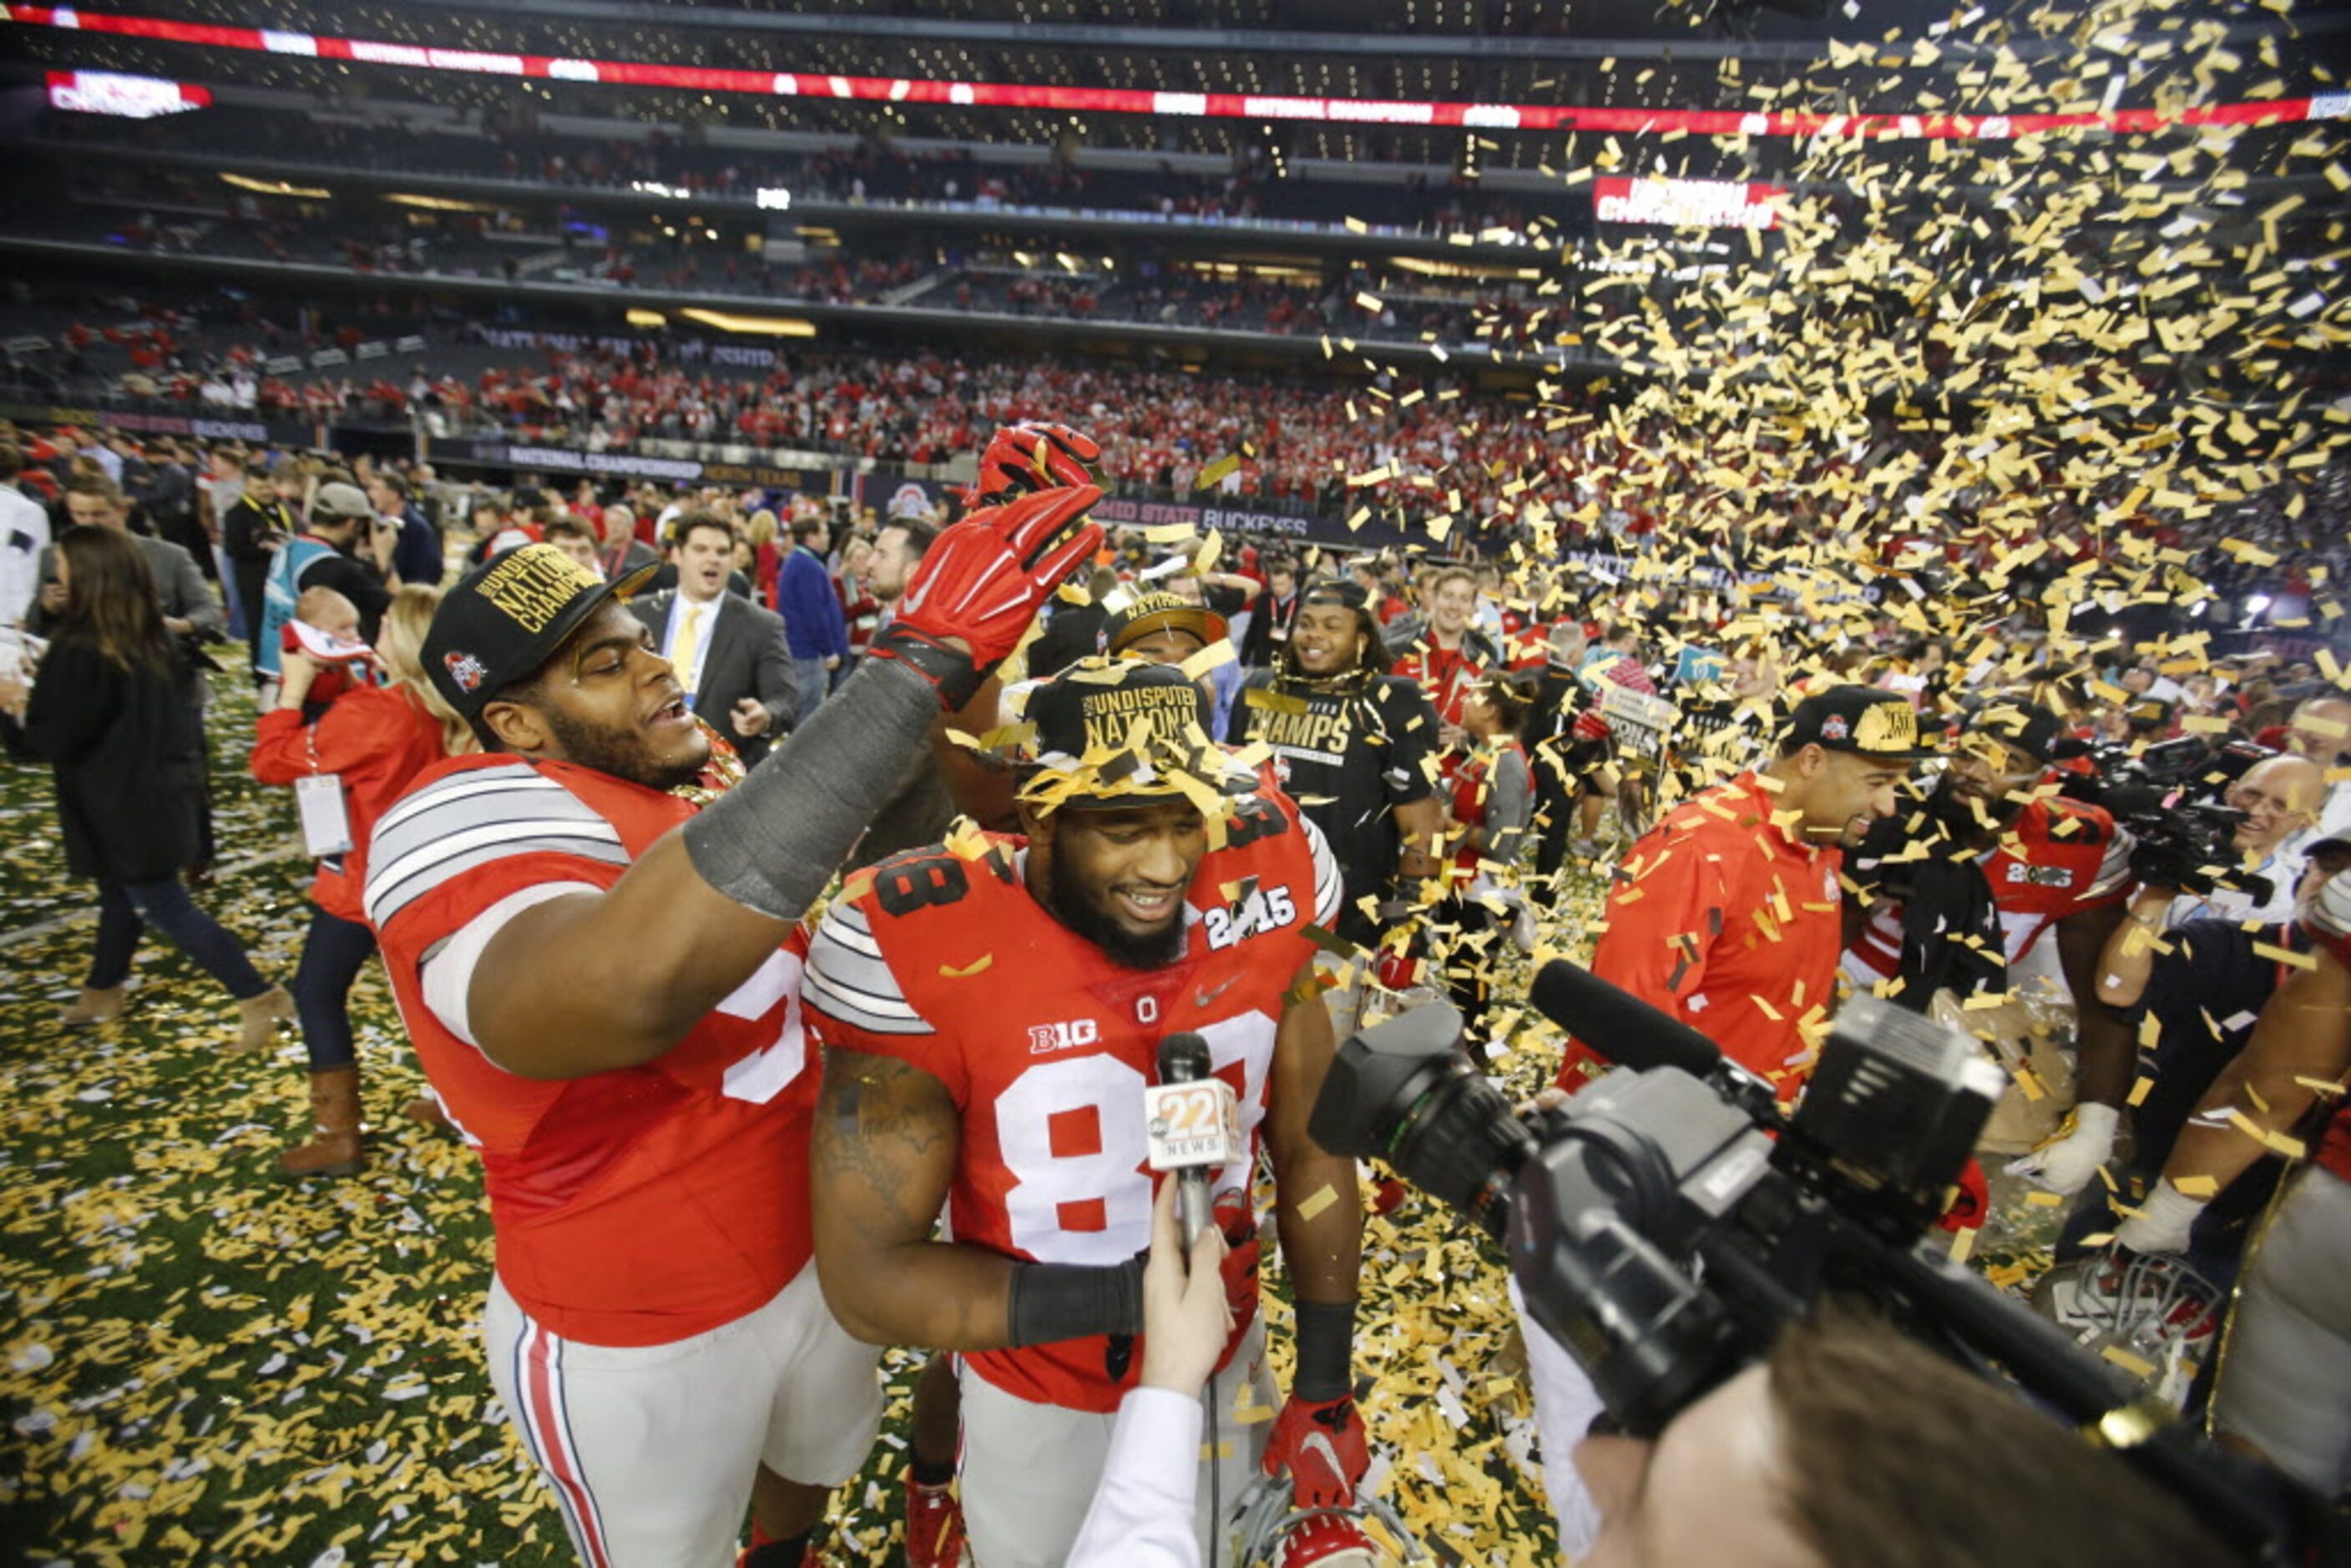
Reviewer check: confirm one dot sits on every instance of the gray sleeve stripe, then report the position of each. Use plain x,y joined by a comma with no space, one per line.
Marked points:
891,1003
386,865
1329,887
828,1000
388,896
849,962
457,786
859,941
527,800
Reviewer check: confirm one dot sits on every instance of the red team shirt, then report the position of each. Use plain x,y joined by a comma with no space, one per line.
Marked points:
2058,858
633,1208
375,739
950,965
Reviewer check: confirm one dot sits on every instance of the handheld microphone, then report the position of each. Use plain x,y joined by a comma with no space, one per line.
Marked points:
1617,1024
1193,1123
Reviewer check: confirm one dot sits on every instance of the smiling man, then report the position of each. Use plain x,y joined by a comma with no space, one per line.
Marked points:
600,980
1726,914
992,1013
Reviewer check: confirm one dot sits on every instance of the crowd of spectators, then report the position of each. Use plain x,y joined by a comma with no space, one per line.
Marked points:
870,171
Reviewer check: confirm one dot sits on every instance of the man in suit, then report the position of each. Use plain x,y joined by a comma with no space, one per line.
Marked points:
729,654
188,603
623,552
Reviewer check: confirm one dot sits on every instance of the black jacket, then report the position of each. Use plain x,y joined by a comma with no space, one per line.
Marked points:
747,658
126,750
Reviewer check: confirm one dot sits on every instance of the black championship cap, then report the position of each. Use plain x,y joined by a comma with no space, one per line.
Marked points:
1861,720
1117,731
1343,591
1151,613
508,617
2031,730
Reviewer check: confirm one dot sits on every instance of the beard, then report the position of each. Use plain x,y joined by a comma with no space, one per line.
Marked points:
1957,816
1084,913
628,755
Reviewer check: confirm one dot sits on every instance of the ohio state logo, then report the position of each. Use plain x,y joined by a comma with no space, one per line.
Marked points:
1832,728
468,671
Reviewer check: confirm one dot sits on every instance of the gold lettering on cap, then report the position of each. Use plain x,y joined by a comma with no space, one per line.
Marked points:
531,586
1886,727
1161,713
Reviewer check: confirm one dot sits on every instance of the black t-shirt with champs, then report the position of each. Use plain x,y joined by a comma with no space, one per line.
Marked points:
1352,757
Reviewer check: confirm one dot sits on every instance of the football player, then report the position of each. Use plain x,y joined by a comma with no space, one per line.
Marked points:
992,1011
600,982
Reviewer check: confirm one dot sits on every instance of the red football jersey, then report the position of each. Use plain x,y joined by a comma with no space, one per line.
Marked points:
2058,858
2327,921
636,1206
950,965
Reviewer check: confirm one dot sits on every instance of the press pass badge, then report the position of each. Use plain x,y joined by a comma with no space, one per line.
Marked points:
326,820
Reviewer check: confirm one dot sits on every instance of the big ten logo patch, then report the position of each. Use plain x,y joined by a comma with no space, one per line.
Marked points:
1047,1038
531,586
1252,912
1160,713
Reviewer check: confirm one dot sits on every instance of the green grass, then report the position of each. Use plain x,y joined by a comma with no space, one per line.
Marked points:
202,1363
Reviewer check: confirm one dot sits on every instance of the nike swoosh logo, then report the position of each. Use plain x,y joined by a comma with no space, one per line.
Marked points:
1202,999
1315,1442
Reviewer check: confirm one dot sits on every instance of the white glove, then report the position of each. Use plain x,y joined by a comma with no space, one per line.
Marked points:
2162,1222
2065,1165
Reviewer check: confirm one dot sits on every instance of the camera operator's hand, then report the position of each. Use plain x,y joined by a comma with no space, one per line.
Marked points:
2162,1223
1187,1317
2066,1161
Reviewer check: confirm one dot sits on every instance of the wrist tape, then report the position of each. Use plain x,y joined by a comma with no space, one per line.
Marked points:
1055,1301
773,841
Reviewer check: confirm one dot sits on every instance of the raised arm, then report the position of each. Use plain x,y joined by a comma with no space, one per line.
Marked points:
707,907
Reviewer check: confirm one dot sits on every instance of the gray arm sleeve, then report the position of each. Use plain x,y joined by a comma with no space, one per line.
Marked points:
773,841
1510,807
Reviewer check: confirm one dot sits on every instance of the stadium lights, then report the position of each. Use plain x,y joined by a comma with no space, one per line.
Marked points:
759,326
638,317
437,204
709,82
276,187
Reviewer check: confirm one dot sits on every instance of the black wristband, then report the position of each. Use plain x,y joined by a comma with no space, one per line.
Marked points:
1055,1301
952,672
1326,1352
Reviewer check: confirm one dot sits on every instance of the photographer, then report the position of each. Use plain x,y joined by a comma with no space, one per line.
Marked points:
1957,896
1852,1446
2202,990
2279,799
2287,1390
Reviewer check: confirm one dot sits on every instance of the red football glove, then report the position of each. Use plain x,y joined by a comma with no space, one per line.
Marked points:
1970,1203
1233,1217
1022,459
982,581
1323,1447
1590,726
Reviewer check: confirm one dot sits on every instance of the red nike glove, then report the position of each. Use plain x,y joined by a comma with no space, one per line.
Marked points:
1970,1203
1323,1447
1022,459
1233,1217
982,581
1590,726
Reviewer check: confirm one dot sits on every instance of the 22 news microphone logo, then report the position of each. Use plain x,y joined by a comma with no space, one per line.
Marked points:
1192,1123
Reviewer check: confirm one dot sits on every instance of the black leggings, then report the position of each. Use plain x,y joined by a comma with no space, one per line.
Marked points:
332,953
